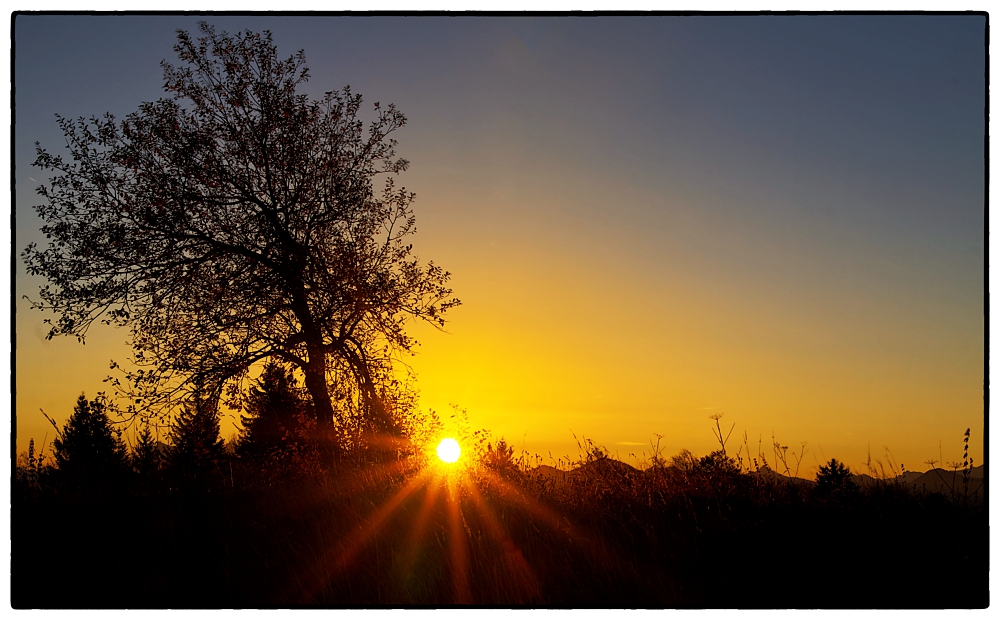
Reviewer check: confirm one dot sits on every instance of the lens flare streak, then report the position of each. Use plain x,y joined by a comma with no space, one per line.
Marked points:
517,566
420,523
459,550
454,486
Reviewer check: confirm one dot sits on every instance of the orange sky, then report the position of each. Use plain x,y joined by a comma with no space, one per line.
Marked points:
648,222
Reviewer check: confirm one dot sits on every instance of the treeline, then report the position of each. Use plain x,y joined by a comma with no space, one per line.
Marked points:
108,516
90,454
271,520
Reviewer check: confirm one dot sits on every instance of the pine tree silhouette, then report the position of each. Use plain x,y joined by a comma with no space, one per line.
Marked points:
88,453
278,432
147,460
834,479
197,449
274,409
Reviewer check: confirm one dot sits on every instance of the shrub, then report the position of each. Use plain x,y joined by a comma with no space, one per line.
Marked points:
500,459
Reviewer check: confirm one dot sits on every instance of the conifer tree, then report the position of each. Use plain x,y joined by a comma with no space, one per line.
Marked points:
274,413
278,429
88,453
834,479
147,460
197,449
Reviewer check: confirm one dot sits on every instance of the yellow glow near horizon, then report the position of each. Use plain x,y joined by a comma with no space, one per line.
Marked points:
449,450
814,370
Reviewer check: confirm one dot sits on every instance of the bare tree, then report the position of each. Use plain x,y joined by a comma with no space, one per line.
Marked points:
236,221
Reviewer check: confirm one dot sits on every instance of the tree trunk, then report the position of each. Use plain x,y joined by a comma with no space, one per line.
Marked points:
315,367
315,372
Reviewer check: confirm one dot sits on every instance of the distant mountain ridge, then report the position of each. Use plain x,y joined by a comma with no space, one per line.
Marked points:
936,480
945,481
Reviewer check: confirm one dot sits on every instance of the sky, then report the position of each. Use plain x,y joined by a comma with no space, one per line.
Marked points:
649,220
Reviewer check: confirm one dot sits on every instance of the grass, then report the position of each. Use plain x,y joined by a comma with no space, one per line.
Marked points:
692,533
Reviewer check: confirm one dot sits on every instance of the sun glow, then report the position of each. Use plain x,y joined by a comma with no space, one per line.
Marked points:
449,450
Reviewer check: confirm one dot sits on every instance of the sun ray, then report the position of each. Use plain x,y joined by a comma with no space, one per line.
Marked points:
358,541
338,557
359,478
517,566
458,545
455,484
532,505
420,523
552,519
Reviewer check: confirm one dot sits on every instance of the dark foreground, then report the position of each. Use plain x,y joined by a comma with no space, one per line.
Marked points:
611,537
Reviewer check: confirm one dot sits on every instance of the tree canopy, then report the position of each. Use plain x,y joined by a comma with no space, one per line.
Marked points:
234,221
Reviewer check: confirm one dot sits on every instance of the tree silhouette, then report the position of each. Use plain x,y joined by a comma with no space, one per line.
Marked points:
147,459
88,453
500,459
834,478
276,428
197,449
234,222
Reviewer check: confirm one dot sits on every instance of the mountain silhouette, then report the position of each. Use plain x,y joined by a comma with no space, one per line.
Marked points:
932,481
947,482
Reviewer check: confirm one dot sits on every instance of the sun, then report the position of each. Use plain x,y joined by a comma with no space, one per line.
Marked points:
449,450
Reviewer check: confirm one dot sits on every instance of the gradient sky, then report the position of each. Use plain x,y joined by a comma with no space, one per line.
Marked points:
649,220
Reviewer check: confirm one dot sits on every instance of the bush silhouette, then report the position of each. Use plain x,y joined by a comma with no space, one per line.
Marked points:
602,535
717,464
33,470
499,458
